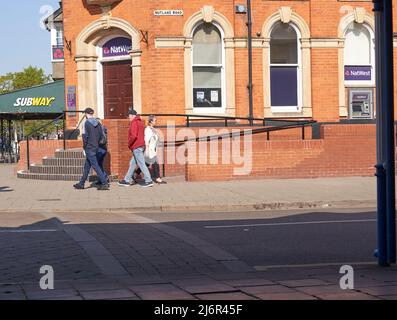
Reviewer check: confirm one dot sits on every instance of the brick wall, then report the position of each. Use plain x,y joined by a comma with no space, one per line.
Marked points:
163,69
344,150
42,148
119,155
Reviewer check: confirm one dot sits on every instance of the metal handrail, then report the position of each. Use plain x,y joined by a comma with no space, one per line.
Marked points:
36,131
218,117
302,125
242,132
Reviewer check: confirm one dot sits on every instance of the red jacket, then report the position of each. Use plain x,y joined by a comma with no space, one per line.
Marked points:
136,134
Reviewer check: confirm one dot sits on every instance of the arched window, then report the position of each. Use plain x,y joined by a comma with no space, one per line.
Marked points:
359,54
208,67
285,68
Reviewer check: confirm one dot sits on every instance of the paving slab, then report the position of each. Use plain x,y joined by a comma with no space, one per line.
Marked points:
303,283
267,289
285,296
228,296
50,294
260,194
380,291
107,294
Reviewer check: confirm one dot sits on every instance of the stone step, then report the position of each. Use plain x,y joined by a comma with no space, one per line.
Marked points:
38,176
43,169
57,177
63,162
70,154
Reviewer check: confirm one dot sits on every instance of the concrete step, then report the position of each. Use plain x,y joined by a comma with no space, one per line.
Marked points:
70,170
63,162
70,154
38,176
57,177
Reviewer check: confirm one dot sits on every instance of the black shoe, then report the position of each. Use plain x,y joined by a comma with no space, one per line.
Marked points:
78,186
147,184
161,182
95,184
103,187
124,183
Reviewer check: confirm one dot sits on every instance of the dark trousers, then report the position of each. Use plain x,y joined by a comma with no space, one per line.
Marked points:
155,170
95,160
101,154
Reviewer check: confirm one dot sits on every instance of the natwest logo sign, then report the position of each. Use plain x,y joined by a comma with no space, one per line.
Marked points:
117,47
358,73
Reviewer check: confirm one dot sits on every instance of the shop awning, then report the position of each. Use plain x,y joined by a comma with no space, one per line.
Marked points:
40,102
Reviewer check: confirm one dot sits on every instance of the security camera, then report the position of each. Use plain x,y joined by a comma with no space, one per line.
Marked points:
258,34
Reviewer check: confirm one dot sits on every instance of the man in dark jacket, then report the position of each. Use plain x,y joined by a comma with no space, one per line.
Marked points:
136,143
92,138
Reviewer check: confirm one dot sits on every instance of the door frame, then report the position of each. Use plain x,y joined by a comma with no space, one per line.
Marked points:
100,61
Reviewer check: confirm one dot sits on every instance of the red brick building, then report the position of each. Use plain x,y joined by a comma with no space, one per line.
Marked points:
311,60
191,57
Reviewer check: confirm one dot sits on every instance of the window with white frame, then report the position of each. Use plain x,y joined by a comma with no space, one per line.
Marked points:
285,68
59,36
359,54
208,67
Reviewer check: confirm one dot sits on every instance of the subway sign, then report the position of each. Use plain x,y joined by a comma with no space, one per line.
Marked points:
34,102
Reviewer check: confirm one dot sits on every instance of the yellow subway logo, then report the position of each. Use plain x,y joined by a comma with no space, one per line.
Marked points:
34,102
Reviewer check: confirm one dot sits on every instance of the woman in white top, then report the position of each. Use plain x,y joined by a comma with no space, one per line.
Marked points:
152,140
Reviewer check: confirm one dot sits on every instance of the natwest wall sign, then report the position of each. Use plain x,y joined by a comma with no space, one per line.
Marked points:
358,73
117,47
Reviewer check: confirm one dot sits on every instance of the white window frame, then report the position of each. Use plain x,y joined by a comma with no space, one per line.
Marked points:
59,29
100,61
221,109
54,43
289,109
364,83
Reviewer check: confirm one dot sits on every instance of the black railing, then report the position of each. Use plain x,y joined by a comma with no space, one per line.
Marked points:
301,125
64,138
37,131
9,149
288,124
224,119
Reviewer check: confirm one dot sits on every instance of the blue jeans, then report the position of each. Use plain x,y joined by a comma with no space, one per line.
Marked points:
138,158
95,160
100,155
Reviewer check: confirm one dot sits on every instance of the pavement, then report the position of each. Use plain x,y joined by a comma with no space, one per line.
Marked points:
249,195
168,243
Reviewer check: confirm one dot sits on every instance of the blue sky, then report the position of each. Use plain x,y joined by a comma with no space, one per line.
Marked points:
23,42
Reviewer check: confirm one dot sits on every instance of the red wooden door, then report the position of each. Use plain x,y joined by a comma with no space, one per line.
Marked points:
117,84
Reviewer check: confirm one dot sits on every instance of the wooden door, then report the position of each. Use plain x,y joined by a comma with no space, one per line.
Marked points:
117,84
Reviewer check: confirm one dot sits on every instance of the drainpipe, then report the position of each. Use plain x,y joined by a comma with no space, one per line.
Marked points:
250,86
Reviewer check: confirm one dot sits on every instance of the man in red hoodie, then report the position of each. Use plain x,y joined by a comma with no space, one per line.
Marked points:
136,143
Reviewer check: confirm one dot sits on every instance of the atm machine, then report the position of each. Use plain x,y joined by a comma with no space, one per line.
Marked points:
361,104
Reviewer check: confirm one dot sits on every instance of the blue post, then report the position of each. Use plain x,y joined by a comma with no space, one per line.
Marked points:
381,252
385,169
388,100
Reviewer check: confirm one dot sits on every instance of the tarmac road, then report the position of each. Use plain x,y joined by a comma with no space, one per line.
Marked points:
313,238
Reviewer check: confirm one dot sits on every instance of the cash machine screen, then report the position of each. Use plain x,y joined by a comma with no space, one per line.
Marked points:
361,105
